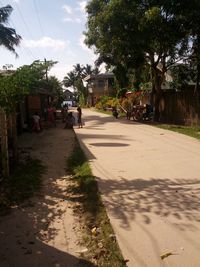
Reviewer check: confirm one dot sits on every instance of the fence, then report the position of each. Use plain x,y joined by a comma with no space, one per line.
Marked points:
8,142
180,107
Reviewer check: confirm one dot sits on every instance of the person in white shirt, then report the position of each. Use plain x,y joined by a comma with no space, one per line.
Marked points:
36,122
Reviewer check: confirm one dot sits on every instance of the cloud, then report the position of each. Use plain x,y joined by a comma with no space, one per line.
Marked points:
85,48
68,9
68,20
77,20
60,71
46,42
82,6
82,44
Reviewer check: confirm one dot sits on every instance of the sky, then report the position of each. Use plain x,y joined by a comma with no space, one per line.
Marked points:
51,29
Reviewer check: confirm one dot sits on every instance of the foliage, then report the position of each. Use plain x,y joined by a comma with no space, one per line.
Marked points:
102,102
8,36
28,78
107,102
10,91
133,35
54,87
182,75
78,72
21,185
121,92
190,20
82,91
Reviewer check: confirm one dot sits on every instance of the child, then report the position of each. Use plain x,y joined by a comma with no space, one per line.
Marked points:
36,122
70,121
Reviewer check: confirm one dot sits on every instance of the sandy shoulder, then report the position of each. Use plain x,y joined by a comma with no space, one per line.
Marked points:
43,231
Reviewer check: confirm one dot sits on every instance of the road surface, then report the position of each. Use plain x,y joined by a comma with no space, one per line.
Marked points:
150,183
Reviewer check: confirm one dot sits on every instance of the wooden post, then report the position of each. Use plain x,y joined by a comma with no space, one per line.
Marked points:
14,138
4,143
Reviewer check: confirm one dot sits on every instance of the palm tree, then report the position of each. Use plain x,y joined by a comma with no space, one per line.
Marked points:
78,70
70,79
8,36
88,70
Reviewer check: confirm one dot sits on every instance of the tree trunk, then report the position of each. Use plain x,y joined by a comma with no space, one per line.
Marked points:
4,143
157,92
157,106
198,63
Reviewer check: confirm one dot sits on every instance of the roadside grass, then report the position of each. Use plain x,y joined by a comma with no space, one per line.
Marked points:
108,112
21,185
187,130
98,235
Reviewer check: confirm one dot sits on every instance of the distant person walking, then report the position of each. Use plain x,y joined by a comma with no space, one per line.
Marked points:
79,117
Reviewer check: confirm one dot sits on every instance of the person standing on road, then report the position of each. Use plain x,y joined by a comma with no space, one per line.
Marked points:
114,112
79,117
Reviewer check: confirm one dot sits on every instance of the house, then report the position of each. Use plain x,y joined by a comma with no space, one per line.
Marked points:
99,85
36,101
69,98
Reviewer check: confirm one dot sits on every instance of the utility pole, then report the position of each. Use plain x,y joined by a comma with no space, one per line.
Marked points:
46,69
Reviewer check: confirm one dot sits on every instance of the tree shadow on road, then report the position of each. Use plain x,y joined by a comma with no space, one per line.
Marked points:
126,199
99,121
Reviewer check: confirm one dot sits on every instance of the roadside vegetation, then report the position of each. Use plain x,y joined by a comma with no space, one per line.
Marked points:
187,130
98,235
21,185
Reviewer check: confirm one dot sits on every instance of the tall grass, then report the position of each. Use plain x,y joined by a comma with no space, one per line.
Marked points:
21,185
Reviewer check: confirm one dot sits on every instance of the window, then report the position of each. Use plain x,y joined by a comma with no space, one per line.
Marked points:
100,83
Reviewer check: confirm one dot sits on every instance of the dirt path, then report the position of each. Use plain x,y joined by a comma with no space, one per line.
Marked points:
41,232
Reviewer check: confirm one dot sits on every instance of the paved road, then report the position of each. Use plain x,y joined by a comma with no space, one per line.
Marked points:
150,181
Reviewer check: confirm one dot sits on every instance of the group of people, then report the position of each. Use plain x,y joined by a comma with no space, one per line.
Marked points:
69,119
50,116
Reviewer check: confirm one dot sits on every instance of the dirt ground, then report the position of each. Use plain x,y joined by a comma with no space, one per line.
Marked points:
43,231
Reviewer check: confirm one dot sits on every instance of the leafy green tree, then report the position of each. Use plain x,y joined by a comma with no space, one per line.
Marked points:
54,86
137,33
189,17
14,85
8,36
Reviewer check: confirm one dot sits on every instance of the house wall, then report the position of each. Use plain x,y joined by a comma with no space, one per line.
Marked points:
181,107
34,104
100,87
